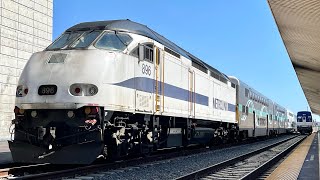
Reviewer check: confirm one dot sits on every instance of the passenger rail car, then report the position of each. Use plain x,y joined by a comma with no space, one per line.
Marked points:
253,111
291,121
304,122
280,115
256,114
113,88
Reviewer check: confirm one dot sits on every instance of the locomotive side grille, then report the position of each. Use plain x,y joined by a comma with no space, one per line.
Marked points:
57,58
143,101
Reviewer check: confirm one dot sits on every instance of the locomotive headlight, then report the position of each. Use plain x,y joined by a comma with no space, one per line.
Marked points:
34,113
21,91
93,90
21,111
87,110
81,89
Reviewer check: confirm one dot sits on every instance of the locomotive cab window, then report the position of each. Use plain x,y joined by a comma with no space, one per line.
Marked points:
64,40
144,52
113,41
86,39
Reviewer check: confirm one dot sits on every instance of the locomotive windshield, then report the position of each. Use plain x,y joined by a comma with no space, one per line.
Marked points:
112,41
86,39
82,39
64,40
74,40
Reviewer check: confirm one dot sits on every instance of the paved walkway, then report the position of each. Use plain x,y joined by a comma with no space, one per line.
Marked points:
5,155
302,163
310,168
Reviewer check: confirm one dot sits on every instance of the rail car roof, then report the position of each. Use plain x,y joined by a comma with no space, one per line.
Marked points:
136,28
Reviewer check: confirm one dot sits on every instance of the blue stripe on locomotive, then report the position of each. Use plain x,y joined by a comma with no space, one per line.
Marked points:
147,85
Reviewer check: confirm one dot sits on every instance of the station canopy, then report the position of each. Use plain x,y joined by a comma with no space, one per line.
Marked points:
298,22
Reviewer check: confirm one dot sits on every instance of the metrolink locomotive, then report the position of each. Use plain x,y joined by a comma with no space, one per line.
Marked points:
304,122
114,88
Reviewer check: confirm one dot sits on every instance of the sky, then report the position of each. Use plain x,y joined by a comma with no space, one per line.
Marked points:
240,38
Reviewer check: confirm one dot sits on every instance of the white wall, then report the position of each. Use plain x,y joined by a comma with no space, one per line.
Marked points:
25,27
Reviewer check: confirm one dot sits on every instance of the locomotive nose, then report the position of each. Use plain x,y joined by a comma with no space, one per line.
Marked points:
69,76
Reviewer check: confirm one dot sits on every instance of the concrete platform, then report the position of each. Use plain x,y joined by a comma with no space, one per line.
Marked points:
5,154
302,163
310,168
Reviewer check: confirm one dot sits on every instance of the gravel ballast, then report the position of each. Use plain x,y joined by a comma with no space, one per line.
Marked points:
176,167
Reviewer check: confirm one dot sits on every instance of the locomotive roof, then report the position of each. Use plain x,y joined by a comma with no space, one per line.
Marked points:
136,28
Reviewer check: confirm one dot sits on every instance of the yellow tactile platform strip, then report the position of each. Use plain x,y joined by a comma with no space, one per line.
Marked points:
290,167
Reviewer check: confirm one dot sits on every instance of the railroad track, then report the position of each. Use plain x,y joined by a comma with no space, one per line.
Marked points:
247,166
20,170
48,171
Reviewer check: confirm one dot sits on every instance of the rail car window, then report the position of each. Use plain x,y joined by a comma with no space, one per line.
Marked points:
64,40
148,53
113,41
86,39
299,119
246,92
135,51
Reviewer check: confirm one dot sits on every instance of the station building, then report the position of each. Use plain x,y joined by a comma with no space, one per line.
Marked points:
25,28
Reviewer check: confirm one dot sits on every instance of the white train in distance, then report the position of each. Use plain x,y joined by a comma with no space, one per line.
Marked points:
114,88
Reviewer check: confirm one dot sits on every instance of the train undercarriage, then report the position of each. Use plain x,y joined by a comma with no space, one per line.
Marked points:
80,136
304,129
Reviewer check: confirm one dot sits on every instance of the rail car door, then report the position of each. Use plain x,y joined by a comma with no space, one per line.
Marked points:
191,94
159,80
143,80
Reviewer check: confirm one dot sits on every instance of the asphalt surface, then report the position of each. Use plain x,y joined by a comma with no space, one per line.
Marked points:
310,168
5,155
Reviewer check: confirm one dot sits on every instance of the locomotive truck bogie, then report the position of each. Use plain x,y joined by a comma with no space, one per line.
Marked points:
138,133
